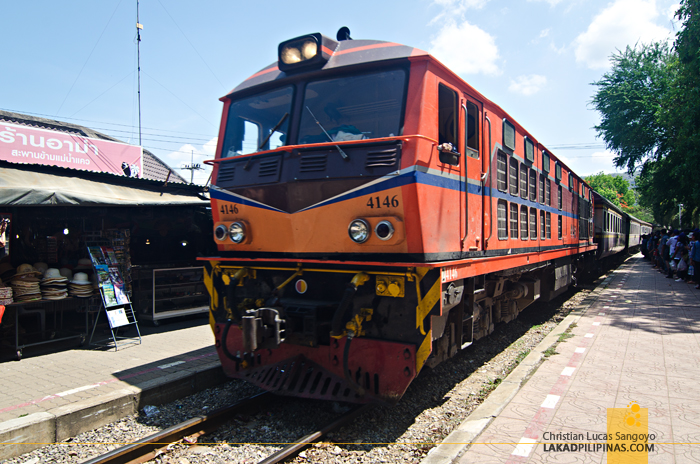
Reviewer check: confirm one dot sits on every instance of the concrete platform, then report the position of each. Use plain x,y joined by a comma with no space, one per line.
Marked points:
51,397
636,340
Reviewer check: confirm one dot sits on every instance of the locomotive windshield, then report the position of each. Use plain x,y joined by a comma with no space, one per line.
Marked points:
260,122
352,108
347,108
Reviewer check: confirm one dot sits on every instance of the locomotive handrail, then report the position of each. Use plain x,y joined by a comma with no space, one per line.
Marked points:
291,148
483,190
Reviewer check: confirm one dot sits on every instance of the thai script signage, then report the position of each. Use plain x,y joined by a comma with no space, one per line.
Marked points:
30,145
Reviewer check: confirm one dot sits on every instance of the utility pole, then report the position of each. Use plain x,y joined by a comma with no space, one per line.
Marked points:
139,27
192,167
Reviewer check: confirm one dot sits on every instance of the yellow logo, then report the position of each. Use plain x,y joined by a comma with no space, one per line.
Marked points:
628,435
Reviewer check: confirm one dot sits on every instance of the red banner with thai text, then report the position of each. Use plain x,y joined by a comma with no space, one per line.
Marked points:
30,145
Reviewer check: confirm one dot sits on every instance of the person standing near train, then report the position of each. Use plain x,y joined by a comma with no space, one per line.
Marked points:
694,257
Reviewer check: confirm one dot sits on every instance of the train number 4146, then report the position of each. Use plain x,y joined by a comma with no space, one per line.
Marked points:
229,209
377,202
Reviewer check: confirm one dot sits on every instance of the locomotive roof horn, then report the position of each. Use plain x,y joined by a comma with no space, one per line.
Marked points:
343,34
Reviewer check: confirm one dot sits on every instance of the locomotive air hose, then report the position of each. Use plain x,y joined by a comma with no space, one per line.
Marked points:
348,377
224,343
339,315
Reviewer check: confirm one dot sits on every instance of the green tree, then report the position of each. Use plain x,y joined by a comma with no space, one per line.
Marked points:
629,98
649,104
614,188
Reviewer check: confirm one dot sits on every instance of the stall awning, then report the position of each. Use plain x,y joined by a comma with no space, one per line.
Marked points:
19,187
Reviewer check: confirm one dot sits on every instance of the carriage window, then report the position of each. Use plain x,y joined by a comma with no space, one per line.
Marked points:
501,175
473,127
545,161
548,192
541,188
502,220
523,223
523,181
513,220
559,198
508,135
513,176
571,181
559,226
533,224
549,225
557,171
529,150
533,185
543,228
447,115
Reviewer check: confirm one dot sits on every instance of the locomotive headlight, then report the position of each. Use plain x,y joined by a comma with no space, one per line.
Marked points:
237,232
384,230
220,232
309,49
290,54
359,230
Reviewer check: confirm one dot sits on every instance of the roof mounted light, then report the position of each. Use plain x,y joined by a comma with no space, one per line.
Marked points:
312,50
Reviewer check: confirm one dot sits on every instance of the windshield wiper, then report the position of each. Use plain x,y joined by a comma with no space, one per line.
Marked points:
277,126
340,150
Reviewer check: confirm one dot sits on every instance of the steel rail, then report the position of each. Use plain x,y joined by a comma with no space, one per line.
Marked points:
146,449
307,440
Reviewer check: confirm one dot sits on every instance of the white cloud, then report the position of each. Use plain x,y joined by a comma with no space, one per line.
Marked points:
455,8
622,23
551,2
527,85
544,33
466,49
185,156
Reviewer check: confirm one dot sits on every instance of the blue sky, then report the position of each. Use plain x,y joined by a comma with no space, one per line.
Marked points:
76,61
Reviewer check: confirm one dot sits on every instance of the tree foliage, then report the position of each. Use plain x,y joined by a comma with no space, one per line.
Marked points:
629,98
650,117
614,188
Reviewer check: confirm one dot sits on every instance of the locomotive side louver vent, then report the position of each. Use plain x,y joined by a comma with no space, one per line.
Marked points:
226,173
383,158
269,167
312,163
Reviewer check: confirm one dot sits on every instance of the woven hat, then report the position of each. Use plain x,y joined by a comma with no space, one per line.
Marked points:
41,267
24,269
81,278
67,273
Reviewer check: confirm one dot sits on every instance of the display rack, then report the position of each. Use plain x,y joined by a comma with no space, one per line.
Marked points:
178,291
115,300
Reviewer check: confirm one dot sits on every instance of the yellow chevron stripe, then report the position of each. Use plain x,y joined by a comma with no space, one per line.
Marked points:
424,351
426,304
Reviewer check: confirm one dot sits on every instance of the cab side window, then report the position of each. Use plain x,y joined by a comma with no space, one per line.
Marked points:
447,115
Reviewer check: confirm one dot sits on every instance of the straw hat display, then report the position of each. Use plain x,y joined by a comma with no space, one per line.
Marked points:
41,267
53,285
25,284
67,273
80,286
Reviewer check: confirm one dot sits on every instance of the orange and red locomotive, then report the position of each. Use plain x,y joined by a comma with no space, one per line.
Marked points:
375,214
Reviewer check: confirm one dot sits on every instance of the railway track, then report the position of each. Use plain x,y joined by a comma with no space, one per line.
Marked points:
189,431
